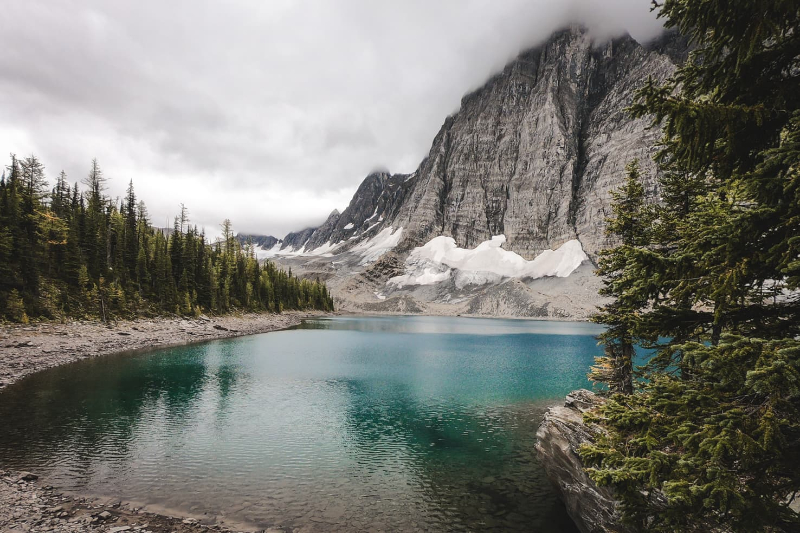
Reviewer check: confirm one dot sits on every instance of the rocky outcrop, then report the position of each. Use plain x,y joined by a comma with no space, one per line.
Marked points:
560,436
297,239
592,508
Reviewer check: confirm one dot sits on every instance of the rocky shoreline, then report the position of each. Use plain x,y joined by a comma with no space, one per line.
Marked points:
558,441
28,504
25,349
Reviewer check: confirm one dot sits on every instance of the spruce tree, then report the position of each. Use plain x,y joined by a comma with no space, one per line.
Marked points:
131,237
712,439
95,231
629,227
63,253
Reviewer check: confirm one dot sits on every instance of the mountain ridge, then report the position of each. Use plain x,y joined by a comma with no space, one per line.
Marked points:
449,194
531,155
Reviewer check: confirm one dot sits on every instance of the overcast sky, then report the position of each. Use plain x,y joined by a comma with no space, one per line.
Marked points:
267,112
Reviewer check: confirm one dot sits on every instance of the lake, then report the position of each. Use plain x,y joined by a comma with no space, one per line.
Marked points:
345,423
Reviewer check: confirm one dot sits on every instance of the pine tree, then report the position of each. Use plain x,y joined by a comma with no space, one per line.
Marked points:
74,258
95,232
712,439
628,225
60,196
131,236
63,253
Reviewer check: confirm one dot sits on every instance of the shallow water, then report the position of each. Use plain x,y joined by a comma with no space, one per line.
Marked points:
393,423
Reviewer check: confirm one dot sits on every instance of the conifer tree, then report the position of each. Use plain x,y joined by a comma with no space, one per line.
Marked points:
130,234
66,254
629,227
712,439
95,231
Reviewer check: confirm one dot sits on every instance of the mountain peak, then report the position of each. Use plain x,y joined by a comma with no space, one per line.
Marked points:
532,154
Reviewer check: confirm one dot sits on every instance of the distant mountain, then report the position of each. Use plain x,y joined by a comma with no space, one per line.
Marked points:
266,246
262,241
531,155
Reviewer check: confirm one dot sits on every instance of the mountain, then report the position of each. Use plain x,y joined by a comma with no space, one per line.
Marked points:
264,246
531,156
261,241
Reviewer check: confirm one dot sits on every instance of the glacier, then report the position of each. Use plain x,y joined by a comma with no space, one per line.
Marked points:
441,258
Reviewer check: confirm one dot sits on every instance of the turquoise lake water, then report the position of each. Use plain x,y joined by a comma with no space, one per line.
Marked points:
341,424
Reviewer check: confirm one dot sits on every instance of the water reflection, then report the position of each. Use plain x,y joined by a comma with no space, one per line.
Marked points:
473,467
451,325
342,424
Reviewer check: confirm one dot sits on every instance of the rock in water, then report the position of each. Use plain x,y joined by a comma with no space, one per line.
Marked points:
27,476
561,434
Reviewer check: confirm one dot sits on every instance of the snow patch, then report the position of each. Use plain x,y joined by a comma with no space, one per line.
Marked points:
266,253
440,259
371,249
292,253
348,226
324,250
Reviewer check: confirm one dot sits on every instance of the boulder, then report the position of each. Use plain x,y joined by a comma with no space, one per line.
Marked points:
560,436
27,476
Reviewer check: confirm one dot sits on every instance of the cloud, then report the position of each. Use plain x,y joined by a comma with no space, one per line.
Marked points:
268,113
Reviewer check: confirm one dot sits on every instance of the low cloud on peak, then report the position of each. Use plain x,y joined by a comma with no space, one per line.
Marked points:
267,113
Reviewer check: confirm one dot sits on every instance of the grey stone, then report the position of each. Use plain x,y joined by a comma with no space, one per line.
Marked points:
532,154
27,476
560,436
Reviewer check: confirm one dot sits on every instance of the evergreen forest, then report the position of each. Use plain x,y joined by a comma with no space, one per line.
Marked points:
72,252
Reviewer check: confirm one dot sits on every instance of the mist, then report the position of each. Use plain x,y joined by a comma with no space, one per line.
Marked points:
267,113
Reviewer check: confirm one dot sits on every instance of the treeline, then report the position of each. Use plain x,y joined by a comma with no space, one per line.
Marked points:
72,252
706,435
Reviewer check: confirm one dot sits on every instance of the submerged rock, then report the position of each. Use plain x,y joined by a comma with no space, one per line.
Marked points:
560,436
27,476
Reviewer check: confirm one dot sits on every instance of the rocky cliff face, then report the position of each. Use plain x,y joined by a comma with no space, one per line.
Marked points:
532,154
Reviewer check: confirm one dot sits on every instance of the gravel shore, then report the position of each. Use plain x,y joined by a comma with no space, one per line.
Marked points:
27,504
28,349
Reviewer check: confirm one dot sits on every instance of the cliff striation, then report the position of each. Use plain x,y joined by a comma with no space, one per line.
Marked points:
531,155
